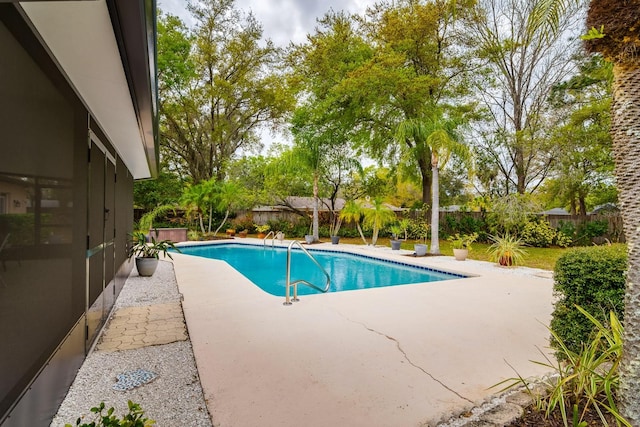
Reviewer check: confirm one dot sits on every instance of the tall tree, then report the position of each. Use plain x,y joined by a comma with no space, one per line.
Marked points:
440,136
418,63
616,24
218,85
524,62
584,164
322,135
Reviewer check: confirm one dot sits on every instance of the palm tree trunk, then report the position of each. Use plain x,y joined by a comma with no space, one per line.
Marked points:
435,210
625,130
316,234
361,233
226,215
210,218
201,222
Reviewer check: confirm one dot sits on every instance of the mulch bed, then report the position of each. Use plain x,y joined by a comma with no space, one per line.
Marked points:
535,418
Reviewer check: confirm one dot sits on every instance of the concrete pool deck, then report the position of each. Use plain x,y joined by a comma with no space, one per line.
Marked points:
397,356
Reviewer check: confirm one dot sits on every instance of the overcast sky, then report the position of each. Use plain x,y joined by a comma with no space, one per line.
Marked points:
282,20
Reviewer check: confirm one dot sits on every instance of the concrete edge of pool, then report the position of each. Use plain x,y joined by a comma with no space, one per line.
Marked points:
396,356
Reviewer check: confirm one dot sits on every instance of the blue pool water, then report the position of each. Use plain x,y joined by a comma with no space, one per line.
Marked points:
266,267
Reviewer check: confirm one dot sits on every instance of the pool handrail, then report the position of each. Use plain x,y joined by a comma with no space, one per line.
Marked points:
274,235
288,300
264,241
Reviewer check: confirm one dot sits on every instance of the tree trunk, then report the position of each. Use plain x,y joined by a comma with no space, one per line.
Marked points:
316,235
625,130
201,222
361,233
435,210
425,173
226,215
210,218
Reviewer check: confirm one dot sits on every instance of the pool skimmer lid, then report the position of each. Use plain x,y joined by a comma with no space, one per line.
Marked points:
132,379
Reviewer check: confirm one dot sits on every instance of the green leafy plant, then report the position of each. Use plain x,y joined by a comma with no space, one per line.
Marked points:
506,250
143,249
262,228
133,418
585,381
395,231
563,240
538,234
589,230
594,279
463,241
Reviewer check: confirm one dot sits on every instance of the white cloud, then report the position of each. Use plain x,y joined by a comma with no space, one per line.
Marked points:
283,21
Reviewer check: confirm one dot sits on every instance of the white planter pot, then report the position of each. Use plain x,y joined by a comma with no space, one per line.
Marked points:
421,250
395,245
146,266
460,254
308,238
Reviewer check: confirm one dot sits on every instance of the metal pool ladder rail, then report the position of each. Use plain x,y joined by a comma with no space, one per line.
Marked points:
274,235
288,301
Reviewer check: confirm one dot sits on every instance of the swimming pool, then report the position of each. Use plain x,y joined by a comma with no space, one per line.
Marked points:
266,267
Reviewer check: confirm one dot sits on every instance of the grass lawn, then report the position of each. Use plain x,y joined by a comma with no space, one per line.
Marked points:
544,258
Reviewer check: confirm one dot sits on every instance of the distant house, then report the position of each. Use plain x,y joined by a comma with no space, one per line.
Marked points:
605,209
78,124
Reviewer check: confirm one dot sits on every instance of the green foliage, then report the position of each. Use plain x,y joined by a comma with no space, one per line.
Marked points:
20,226
262,228
509,214
466,224
506,250
221,66
146,221
589,230
133,418
584,380
153,249
463,241
377,217
593,278
164,190
538,234
563,240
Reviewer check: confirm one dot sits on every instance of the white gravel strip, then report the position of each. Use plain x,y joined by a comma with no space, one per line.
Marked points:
174,398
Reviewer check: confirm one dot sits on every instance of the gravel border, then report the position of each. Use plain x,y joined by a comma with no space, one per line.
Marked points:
174,398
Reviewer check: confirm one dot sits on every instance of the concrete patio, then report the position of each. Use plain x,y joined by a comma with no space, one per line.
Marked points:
398,356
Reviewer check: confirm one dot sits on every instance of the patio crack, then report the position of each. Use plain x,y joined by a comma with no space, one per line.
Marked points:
404,354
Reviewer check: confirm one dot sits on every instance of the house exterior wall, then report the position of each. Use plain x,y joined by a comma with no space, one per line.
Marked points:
64,260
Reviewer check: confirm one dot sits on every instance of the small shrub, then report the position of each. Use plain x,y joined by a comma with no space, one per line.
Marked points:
590,230
417,229
585,380
567,228
134,418
593,278
538,234
563,240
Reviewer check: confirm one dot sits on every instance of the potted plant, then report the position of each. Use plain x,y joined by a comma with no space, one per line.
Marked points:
243,233
148,253
462,245
421,229
231,232
262,230
506,250
395,241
